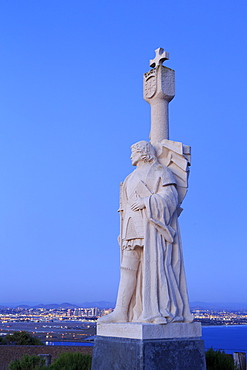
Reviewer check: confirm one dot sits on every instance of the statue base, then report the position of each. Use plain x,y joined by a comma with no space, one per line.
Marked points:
148,346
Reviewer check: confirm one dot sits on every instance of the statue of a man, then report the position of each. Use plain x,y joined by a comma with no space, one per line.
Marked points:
152,283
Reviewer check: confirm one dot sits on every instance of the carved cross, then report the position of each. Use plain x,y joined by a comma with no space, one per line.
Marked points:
160,57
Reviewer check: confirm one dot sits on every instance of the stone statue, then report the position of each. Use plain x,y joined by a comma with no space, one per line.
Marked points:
152,307
152,283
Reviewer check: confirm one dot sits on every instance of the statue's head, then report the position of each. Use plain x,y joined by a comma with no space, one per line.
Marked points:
142,151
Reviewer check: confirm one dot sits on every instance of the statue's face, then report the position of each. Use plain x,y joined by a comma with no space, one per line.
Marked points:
135,157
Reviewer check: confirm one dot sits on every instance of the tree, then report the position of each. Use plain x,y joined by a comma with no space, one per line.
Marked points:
219,360
2,341
22,338
72,361
28,363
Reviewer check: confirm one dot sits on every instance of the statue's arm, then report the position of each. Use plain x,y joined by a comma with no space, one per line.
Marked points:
160,209
167,200
170,193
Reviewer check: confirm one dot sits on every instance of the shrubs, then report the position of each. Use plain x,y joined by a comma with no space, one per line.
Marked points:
22,338
66,361
217,360
28,363
72,361
2,341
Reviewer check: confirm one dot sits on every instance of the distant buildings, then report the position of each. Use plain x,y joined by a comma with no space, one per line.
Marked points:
24,314
50,314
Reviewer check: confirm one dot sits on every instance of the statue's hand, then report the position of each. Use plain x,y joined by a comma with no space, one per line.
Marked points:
138,205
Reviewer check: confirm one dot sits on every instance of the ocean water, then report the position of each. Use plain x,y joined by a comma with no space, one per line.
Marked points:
230,338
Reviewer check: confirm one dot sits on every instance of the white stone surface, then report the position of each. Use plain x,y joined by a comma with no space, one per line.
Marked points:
152,288
150,331
152,285
159,90
176,157
160,57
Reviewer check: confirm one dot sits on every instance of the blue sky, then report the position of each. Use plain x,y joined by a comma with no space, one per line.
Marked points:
71,106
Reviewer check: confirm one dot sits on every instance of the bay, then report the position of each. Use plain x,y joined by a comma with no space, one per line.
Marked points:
230,338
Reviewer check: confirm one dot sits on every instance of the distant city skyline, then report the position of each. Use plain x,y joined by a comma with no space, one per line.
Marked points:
72,105
107,304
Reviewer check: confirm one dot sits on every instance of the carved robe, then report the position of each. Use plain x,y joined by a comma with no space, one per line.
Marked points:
154,231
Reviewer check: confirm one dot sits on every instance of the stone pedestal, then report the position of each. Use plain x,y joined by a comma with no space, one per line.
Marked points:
149,347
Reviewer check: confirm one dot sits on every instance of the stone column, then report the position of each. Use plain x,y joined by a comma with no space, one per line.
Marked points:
159,90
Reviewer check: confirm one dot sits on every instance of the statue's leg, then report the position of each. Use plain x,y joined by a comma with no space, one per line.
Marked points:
129,266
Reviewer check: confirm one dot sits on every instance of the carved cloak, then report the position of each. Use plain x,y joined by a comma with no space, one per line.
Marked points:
161,285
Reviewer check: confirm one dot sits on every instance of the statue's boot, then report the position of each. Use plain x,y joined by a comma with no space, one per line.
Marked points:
126,289
160,320
178,319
